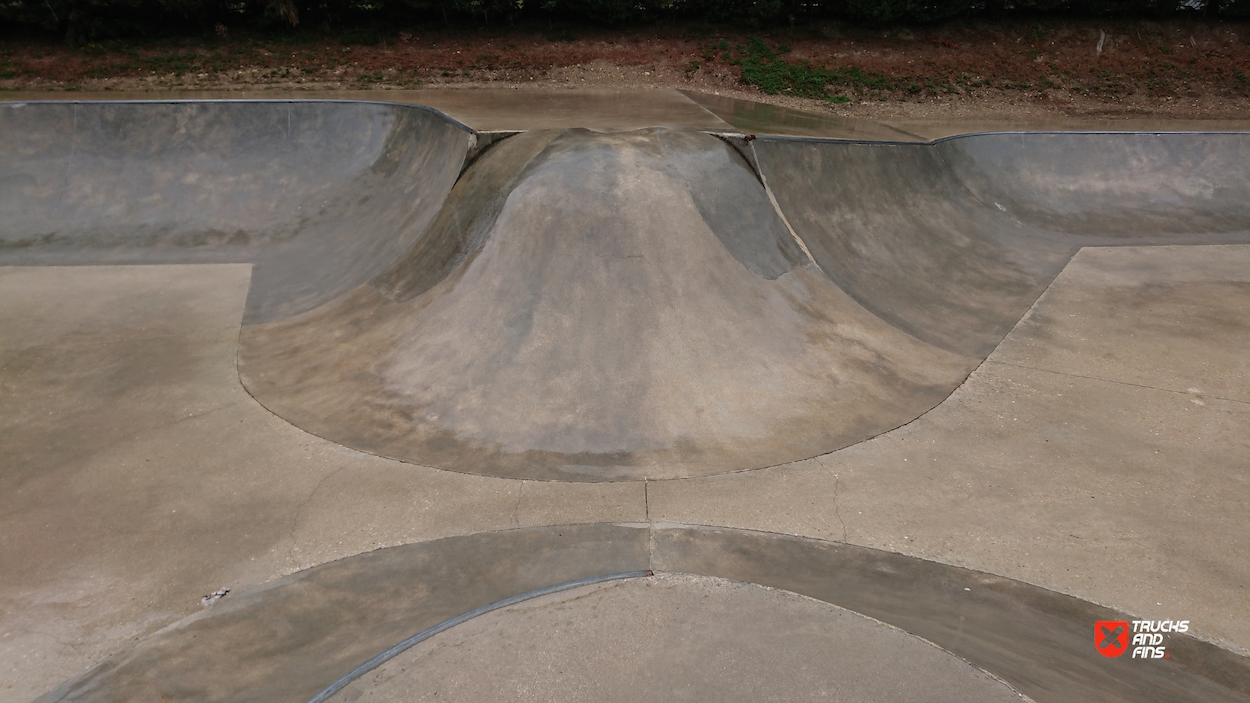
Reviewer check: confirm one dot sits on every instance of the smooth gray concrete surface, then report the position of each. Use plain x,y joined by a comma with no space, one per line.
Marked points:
676,637
295,636
554,108
1028,636
137,475
938,128
628,306
292,638
750,117
1098,450
986,222
1101,450
953,242
1173,318
521,108
1111,188
319,196
482,109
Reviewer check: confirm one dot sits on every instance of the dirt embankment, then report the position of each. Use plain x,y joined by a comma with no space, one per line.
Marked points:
1183,69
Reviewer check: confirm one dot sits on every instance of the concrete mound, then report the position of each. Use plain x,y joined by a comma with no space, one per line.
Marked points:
573,305
622,306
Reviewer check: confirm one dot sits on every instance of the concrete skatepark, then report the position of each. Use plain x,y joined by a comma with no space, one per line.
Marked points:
754,404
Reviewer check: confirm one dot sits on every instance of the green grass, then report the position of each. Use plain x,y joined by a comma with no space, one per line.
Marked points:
763,67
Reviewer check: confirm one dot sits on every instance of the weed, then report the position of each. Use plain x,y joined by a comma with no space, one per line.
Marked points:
764,67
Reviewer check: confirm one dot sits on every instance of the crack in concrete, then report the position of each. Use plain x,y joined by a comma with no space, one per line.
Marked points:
290,555
837,511
646,498
54,638
1119,383
517,506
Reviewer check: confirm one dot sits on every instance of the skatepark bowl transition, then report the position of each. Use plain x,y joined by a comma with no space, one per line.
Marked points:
649,395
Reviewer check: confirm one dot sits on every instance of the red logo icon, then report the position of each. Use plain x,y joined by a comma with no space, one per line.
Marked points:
1111,637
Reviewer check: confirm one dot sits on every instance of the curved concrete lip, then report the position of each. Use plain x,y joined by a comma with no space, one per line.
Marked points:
483,110
526,108
676,637
143,468
294,638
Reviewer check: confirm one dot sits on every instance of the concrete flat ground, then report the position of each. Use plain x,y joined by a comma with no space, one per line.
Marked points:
1038,450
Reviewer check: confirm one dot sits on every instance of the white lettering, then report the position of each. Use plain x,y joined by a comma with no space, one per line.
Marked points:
1160,625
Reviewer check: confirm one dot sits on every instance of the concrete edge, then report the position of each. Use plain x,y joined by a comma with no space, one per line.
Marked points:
1036,640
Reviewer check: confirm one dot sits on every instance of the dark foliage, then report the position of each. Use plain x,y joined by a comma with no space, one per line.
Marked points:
83,21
